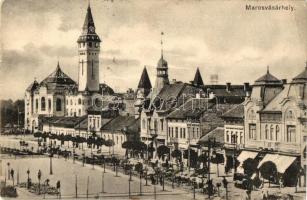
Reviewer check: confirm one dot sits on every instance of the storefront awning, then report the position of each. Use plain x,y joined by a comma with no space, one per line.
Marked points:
282,162
245,155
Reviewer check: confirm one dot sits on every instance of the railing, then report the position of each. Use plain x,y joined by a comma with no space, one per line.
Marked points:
273,145
173,140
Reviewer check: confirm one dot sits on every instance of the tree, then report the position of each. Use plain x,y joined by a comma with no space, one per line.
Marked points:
177,154
138,167
162,150
109,143
291,175
128,146
250,166
38,134
99,142
268,171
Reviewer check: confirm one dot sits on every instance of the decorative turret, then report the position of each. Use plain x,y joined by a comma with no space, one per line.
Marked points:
162,71
198,81
268,79
266,88
144,82
89,48
302,77
144,88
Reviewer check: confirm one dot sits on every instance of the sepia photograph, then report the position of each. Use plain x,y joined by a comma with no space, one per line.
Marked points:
153,99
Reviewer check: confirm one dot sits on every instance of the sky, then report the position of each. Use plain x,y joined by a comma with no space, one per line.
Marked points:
219,37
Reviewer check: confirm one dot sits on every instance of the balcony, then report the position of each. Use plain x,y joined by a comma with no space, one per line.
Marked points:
173,140
232,145
283,147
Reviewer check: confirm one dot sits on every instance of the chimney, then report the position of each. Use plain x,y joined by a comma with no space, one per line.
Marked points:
284,81
246,86
228,86
174,81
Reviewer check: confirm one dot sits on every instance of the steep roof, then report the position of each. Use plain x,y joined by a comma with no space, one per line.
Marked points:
268,79
302,77
221,90
120,123
58,77
66,122
236,112
88,29
32,86
193,108
144,81
105,89
198,79
178,91
217,134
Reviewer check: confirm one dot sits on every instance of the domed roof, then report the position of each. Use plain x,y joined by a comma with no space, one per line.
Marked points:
268,79
302,77
162,63
58,77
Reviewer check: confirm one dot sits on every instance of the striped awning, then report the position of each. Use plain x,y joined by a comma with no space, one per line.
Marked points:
282,162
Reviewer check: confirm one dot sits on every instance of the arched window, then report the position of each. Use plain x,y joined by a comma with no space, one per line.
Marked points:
271,132
71,112
36,105
49,104
79,101
251,114
79,112
227,136
290,115
155,125
43,104
276,132
70,101
58,104
266,132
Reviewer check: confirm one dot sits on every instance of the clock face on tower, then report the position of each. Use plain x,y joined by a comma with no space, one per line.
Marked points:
91,29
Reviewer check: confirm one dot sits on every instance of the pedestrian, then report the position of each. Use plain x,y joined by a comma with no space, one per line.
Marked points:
161,180
264,196
152,179
281,183
248,194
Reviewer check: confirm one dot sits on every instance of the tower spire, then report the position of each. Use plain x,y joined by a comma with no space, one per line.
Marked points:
162,44
268,69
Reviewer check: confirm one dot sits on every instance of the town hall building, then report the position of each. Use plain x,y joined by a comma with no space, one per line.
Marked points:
58,95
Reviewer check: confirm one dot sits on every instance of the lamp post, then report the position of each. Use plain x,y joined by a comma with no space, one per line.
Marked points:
83,155
146,170
8,170
76,185
129,192
12,175
28,181
50,156
141,172
102,182
39,175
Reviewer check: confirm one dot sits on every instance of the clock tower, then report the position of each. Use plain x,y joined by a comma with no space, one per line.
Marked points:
88,50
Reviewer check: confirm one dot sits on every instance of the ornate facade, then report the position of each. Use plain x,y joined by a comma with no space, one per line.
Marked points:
60,96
